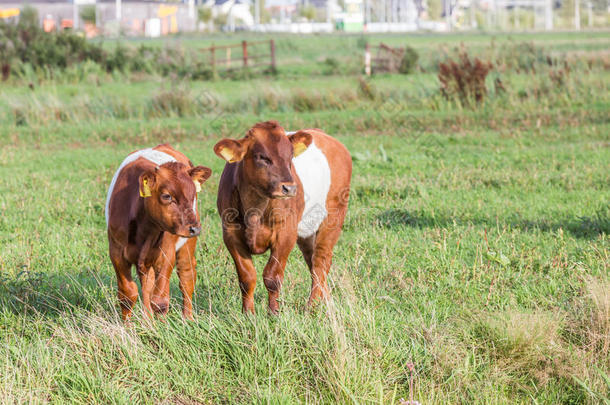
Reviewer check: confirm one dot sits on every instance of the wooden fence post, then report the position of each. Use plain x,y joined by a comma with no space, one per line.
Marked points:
272,45
367,60
228,57
244,46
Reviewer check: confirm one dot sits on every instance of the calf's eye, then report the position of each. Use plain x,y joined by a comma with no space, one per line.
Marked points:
166,197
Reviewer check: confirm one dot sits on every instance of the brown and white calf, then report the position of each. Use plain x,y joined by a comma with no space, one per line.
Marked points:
153,223
276,190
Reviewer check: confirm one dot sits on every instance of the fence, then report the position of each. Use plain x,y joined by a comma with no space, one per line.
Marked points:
243,58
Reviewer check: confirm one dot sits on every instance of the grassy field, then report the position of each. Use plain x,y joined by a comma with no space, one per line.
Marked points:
476,246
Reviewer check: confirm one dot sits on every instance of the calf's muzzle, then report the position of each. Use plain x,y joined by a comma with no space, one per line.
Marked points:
194,231
289,189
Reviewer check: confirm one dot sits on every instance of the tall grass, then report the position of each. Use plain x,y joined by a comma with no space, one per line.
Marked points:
519,94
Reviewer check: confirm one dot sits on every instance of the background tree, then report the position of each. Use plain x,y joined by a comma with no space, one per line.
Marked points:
88,14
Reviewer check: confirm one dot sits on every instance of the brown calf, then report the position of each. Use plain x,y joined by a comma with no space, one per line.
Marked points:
153,223
277,190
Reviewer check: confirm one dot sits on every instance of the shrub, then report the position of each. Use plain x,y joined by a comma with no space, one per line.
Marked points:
464,79
221,20
28,23
204,14
118,60
331,66
88,14
409,61
7,53
308,12
24,45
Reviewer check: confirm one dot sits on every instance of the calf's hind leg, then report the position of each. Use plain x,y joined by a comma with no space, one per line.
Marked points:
322,253
306,246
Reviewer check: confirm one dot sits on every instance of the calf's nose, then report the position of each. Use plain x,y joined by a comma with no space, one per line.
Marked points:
194,230
289,190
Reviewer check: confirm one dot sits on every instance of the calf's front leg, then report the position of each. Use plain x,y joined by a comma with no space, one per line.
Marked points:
164,266
246,272
127,288
147,281
187,274
273,274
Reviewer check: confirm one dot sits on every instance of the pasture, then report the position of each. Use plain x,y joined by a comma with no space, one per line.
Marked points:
475,248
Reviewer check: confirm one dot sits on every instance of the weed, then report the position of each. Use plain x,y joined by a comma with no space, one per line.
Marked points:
465,79
367,89
409,61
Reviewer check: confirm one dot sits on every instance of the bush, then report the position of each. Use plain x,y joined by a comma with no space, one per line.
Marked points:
331,66
7,54
25,46
409,61
88,14
464,79
308,12
25,43
118,60
204,14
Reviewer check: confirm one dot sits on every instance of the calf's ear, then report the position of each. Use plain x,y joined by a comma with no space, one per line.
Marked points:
199,174
230,150
147,184
300,142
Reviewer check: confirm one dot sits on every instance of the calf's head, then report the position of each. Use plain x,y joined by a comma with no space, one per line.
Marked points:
266,156
170,196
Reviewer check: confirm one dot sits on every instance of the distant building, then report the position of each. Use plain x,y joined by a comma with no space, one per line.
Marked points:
237,12
138,17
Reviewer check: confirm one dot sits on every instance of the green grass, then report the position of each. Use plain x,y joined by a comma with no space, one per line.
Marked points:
476,244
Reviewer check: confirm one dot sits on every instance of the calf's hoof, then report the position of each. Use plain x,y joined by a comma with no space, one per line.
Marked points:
160,306
188,316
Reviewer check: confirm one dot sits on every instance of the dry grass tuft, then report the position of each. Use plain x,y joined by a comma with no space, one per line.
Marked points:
589,325
599,327
176,101
527,346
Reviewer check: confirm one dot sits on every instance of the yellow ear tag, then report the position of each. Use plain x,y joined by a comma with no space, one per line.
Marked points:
145,190
197,185
299,148
227,154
